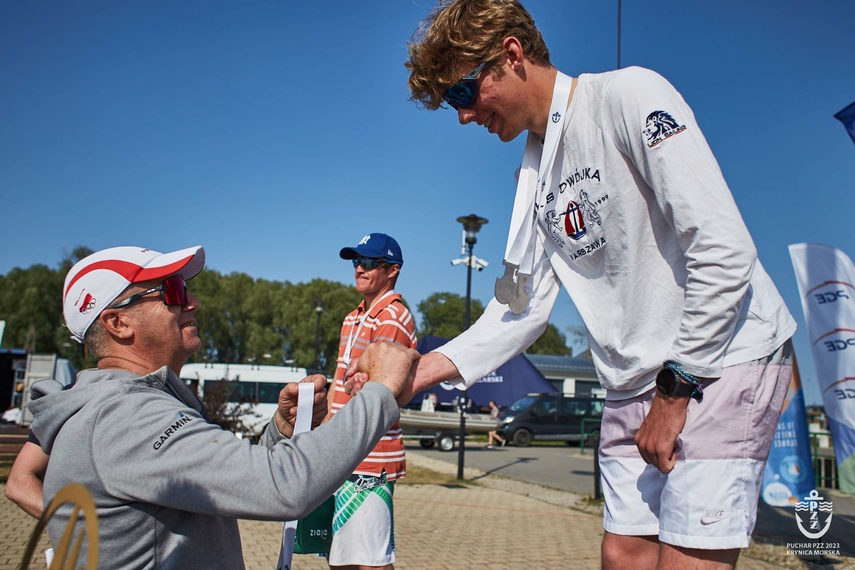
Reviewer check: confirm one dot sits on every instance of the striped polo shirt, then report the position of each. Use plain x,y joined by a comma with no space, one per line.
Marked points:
388,321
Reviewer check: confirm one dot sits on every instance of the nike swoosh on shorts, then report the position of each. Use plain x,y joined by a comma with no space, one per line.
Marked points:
713,516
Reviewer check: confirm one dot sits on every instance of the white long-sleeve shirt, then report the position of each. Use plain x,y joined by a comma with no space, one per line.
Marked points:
640,227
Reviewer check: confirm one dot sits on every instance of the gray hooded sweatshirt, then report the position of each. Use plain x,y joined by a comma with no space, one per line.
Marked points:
169,486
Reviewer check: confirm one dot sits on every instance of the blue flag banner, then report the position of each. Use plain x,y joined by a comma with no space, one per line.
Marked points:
826,280
789,469
847,117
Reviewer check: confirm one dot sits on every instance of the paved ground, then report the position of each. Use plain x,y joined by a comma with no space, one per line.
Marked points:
522,508
566,468
497,524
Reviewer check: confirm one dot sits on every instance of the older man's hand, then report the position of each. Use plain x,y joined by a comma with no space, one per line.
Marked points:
391,365
286,412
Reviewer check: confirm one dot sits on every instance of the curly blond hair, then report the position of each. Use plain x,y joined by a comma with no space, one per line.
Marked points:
466,31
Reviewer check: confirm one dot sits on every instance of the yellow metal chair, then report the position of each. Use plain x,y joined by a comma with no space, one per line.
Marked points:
66,554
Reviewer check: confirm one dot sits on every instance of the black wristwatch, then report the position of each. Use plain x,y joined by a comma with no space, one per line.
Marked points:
669,384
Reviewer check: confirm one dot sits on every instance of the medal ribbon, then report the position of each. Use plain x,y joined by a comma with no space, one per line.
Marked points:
512,288
302,423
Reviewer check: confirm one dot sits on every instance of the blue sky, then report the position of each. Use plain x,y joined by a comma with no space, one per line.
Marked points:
276,132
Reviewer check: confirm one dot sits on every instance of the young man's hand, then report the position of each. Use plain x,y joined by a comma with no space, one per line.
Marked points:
431,369
286,413
353,380
656,439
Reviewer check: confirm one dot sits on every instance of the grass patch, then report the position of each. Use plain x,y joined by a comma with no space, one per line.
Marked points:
422,476
592,502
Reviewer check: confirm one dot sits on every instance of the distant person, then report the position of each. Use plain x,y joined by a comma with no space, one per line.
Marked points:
620,200
492,435
168,485
429,403
363,531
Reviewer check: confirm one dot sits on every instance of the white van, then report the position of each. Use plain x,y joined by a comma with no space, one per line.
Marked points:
256,385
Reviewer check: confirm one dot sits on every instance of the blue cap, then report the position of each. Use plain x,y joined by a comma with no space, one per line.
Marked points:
376,246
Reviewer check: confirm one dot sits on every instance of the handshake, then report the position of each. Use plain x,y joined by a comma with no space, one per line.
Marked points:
385,363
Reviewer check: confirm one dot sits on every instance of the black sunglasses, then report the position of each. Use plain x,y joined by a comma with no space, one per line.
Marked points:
367,263
463,93
173,292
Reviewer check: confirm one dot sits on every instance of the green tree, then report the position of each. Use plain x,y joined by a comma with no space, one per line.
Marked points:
67,347
223,410
241,319
211,320
69,259
299,317
236,318
31,305
552,341
443,314
270,322
579,338
263,335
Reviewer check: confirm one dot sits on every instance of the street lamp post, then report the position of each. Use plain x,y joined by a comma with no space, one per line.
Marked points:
471,225
319,308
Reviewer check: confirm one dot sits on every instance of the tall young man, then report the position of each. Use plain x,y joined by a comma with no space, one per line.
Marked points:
620,199
363,526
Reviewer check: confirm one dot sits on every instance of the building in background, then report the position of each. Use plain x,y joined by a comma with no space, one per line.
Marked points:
569,374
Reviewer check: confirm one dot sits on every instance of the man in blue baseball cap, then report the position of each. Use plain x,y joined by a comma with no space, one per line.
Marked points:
363,534
375,246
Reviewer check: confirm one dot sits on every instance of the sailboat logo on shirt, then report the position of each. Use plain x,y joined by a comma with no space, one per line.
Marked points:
576,213
574,221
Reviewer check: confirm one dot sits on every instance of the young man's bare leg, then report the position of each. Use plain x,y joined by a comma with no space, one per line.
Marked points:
696,559
621,552
358,567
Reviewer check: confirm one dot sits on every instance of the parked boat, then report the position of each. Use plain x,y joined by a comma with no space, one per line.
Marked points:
443,427
414,420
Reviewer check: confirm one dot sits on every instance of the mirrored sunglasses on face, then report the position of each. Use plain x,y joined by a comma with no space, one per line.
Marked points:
463,93
367,263
173,292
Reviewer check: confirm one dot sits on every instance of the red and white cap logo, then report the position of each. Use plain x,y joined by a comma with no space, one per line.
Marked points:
97,280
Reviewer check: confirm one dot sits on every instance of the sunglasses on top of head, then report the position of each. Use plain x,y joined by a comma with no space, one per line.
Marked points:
367,263
463,93
173,292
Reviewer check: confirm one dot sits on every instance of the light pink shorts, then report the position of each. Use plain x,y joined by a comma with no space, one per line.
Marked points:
709,500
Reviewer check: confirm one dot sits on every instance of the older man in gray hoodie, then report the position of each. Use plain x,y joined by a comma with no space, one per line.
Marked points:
168,485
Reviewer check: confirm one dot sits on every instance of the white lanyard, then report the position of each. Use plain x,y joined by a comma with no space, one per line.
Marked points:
302,423
519,252
351,338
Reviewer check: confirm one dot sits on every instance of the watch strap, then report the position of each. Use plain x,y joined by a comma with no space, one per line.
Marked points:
692,386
